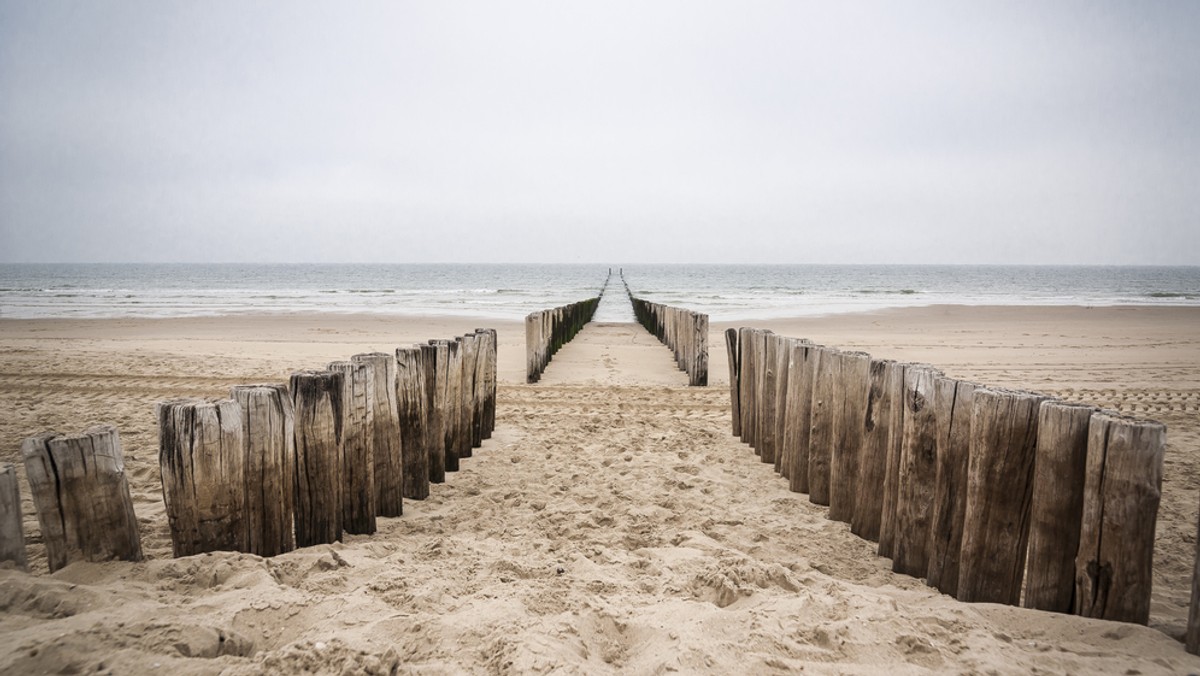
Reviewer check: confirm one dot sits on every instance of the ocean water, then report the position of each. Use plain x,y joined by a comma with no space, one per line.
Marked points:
725,292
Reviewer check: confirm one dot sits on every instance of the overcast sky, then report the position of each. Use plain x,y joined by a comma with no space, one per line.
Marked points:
773,132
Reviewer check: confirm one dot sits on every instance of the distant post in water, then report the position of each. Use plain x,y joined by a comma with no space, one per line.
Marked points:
410,398
358,446
202,456
12,530
1114,566
317,402
1004,428
1057,505
388,475
270,467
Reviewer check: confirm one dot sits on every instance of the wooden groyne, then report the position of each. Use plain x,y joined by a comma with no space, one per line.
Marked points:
684,331
274,466
990,494
546,331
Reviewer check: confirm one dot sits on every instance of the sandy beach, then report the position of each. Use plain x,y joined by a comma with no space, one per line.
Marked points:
611,525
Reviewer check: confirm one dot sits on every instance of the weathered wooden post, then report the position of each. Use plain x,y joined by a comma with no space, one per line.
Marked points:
872,466
489,385
317,405
453,405
768,349
12,530
824,431
731,349
202,456
358,446
952,401
81,495
533,341
433,359
698,374
918,473
801,373
893,391
268,431
1056,505
1114,566
388,476
747,375
849,410
479,388
468,349
999,483
783,356
410,405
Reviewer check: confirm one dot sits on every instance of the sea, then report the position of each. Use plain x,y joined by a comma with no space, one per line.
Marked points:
510,291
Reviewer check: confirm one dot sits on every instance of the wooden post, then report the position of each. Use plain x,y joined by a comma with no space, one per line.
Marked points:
747,375
270,466
872,467
952,401
202,457
81,495
479,388
12,531
769,350
1114,566
358,446
410,405
433,358
489,383
699,372
453,405
849,411
918,473
317,406
533,325
388,475
893,392
1192,638
999,485
1056,505
731,349
468,349
783,357
802,372
824,432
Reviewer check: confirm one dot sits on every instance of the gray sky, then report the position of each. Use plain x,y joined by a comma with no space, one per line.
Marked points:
892,132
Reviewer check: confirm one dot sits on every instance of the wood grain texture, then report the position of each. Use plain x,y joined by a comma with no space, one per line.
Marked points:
731,349
1056,506
385,426
437,376
317,407
768,349
850,412
12,531
872,468
1114,566
801,374
952,401
999,489
268,431
358,446
918,473
894,392
824,433
410,403
466,394
783,355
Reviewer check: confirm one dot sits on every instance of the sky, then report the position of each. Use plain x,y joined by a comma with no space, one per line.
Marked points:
1026,132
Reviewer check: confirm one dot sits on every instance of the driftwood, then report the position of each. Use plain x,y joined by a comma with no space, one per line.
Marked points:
999,486
410,403
1114,566
952,401
317,404
202,456
12,532
872,466
1056,505
270,467
918,473
388,476
358,446
849,411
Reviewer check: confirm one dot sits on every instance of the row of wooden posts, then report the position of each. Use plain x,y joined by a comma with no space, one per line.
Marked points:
991,495
684,331
273,467
546,331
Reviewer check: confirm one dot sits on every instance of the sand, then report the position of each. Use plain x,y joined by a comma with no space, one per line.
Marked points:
612,524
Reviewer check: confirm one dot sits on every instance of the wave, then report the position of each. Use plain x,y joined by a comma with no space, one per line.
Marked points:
1172,294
